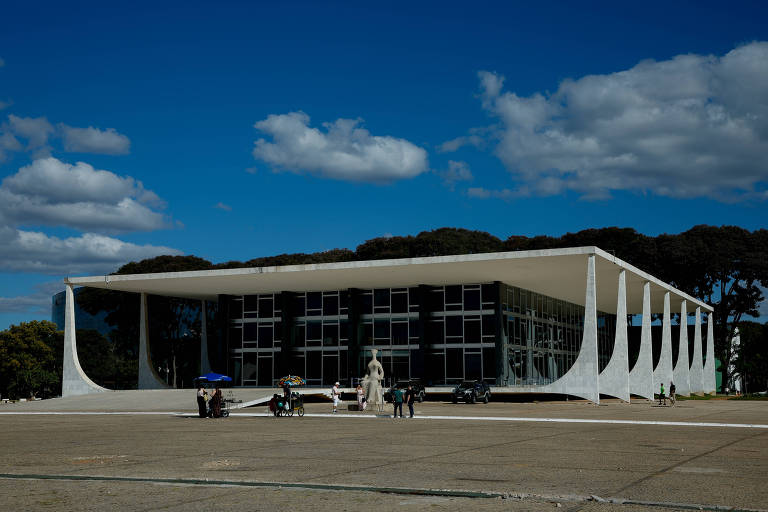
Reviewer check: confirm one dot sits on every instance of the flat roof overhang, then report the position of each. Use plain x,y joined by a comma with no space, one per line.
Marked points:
558,273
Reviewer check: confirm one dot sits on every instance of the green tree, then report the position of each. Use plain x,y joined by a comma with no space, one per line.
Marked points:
29,365
751,360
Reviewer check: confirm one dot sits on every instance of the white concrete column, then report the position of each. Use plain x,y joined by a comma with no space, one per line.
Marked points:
148,377
697,371
709,379
205,363
614,379
74,380
641,376
662,374
681,372
582,379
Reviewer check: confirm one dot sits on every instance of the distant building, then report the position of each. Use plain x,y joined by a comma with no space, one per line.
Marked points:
83,319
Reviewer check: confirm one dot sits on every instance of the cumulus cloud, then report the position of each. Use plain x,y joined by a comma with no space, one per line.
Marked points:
31,251
93,140
343,150
54,193
457,171
35,129
691,126
504,194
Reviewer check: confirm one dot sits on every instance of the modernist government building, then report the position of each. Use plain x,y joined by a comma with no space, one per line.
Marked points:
547,321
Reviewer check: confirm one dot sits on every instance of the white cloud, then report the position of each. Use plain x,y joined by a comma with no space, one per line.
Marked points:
691,126
504,194
35,129
38,302
457,171
222,206
30,251
343,151
51,192
93,140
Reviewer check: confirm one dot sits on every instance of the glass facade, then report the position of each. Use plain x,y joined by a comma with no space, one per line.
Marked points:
441,334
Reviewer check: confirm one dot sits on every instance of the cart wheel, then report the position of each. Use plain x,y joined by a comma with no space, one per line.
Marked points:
290,412
300,410
225,414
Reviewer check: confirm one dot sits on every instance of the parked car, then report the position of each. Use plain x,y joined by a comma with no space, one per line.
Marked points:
416,384
472,391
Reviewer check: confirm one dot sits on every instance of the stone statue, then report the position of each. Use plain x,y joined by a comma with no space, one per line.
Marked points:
372,383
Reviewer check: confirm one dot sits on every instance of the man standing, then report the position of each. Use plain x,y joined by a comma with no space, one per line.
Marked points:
335,394
397,401
410,397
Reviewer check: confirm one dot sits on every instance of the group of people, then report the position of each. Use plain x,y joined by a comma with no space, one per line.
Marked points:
209,406
398,398
672,394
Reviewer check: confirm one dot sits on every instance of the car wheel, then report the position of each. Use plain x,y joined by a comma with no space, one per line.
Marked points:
421,397
485,398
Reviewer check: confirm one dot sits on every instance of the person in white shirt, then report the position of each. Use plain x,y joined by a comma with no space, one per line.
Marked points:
335,394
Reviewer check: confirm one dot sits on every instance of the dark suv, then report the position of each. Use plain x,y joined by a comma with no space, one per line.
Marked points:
472,391
416,384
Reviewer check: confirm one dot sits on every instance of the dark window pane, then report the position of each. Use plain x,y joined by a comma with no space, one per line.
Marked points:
400,333
489,364
413,328
381,328
436,300
278,333
250,366
366,304
343,299
331,335
266,308
453,307
250,332
235,338
471,331
314,365
454,363
472,368
435,332
453,294
265,371
343,330
265,336
489,294
299,306
331,305
471,300
330,369
251,315
414,298
367,334
236,309
399,302
314,330
489,325
301,335
453,326
314,300
381,297
251,303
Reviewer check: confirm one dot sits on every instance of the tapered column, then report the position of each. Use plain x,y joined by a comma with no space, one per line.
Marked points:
148,377
205,363
614,379
582,379
709,379
697,371
681,373
641,376
74,380
662,374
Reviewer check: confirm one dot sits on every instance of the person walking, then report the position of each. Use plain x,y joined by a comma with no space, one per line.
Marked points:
360,398
397,401
672,391
410,397
201,406
335,395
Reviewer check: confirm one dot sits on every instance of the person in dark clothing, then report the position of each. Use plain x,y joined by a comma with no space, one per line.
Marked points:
410,397
397,401
672,392
216,403
201,406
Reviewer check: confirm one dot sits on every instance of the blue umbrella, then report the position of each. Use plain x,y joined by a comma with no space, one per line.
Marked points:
215,377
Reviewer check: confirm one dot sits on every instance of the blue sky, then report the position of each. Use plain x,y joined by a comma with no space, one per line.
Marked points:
237,130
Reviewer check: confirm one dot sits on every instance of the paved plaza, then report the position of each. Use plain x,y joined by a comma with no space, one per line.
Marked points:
92,453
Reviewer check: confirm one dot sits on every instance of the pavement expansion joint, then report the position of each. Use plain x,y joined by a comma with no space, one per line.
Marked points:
451,493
